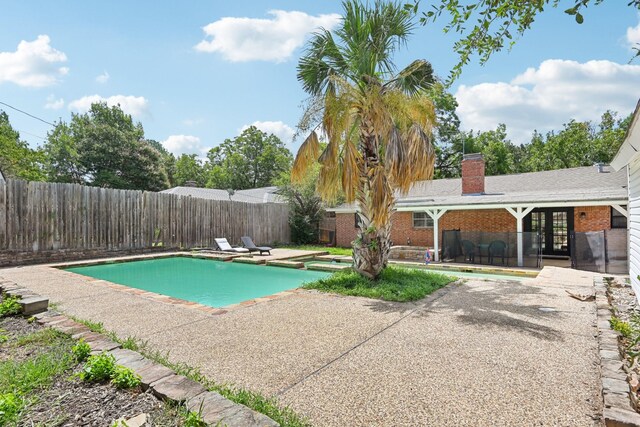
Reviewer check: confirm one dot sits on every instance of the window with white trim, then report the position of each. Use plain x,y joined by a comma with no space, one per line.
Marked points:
422,220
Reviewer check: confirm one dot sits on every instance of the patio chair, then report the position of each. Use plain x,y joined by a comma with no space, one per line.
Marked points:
224,246
469,251
248,243
497,249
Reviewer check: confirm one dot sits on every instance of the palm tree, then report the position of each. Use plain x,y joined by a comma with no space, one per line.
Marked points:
377,121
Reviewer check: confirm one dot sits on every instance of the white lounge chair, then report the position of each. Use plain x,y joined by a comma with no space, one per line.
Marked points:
224,246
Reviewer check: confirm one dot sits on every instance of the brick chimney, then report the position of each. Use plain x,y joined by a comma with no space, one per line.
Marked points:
472,174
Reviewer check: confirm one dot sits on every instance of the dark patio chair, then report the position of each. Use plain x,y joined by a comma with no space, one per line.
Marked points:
469,251
497,249
248,243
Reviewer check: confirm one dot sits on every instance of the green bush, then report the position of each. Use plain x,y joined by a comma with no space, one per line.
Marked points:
81,351
98,368
621,326
9,306
123,377
10,406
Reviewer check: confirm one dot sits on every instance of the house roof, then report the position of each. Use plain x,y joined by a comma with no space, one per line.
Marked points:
253,195
575,185
630,148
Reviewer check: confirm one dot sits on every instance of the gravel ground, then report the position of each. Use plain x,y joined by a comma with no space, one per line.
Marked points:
487,353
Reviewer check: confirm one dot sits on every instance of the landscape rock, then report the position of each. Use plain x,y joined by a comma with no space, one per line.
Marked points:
177,388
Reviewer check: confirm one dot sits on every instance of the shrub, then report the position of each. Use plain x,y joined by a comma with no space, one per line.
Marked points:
81,351
123,377
98,368
9,306
621,326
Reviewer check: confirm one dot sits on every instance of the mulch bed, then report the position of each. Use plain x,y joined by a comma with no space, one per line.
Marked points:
71,402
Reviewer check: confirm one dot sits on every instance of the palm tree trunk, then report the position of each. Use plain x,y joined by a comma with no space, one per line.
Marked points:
372,244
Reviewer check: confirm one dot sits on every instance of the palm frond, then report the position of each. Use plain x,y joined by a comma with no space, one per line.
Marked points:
307,155
328,186
351,161
415,77
421,158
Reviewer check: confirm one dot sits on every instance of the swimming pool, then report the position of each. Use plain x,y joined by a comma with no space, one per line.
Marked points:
212,283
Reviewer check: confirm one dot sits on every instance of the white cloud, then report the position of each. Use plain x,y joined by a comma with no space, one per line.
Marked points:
103,78
53,103
279,129
134,105
33,64
546,97
250,39
184,144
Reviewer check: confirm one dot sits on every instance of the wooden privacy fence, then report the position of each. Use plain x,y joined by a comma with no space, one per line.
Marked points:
39,216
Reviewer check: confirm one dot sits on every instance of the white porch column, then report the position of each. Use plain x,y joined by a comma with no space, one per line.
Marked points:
520,213
622,210
435,214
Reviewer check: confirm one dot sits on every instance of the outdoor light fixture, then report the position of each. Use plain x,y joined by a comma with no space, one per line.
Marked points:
583,215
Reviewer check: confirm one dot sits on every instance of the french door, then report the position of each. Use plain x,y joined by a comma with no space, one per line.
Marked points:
555,226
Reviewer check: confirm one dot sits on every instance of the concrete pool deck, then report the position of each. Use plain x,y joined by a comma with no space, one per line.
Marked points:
480,353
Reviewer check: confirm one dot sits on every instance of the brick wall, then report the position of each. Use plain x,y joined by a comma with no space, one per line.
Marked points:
493,220
402,228
597,218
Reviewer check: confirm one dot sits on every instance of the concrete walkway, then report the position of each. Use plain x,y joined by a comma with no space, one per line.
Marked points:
478,354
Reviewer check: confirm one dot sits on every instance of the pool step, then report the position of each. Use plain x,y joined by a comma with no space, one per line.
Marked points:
337,258
245,260
285,263
328,267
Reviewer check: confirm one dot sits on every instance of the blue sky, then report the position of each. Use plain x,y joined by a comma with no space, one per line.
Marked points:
197,74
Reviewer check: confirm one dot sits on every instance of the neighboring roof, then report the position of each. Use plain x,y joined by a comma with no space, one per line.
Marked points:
253,195
630,148
584,184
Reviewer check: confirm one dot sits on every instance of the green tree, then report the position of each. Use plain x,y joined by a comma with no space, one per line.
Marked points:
189,168
449,140
17,160
104,148
168,160
486,26
252,159
378,121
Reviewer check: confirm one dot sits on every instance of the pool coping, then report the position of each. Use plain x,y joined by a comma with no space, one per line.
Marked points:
166,299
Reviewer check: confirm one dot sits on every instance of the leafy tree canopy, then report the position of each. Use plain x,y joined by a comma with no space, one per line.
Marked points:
17,160
486,26
104,148
252,159
188,167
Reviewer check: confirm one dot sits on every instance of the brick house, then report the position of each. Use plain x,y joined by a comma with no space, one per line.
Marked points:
553,203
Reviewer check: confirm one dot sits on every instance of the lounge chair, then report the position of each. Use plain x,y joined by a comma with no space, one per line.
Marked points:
224,246
248,243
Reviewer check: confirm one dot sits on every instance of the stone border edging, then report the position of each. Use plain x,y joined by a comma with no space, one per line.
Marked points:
163,382
618,410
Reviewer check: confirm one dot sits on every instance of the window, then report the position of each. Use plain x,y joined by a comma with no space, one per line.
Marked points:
422,220
617,219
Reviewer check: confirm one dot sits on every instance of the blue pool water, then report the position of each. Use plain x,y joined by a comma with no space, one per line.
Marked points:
208,282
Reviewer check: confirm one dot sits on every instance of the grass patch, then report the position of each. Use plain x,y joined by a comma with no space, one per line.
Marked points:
331,250
19,380
394,284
